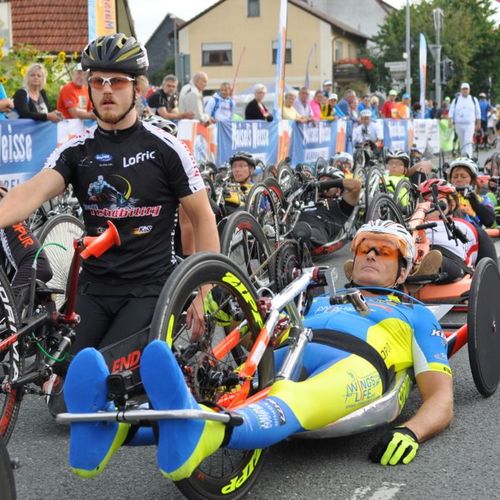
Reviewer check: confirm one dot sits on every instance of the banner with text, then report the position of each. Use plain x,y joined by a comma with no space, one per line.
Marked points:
200,140
396,134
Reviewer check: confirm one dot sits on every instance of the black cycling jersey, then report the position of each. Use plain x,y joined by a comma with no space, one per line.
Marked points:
162,100
135,178
325,219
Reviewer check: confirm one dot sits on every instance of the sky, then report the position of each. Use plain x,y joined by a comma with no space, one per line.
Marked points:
147,14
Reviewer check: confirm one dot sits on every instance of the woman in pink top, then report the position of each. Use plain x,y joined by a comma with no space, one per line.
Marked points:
315,105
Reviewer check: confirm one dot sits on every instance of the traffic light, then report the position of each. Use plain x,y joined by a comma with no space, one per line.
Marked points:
447,69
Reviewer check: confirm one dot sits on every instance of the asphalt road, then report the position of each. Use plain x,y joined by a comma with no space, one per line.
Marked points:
460,463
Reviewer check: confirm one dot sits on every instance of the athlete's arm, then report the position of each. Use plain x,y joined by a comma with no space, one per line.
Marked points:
352,191
20,202
436,411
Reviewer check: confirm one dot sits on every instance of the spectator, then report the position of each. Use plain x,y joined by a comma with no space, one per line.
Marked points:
289,112
191,98
31,100
364,104
466,117
366,131
318,100
330,110
6,104
256,110
389,109
431,109
484,108
302,104
141,104
220,106
327,87
164,101
445,108
345,103
353,109
374,103
417,110
404,107
74,101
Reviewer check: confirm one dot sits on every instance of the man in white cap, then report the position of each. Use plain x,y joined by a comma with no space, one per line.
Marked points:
327,87
366,131
465,115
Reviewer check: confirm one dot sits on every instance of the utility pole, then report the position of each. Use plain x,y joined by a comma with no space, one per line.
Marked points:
408,62
438,16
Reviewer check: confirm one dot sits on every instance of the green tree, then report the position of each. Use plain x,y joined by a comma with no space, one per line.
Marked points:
469,38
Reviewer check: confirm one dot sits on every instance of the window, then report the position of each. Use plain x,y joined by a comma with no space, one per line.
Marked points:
339,50
288,51
217,54
253,8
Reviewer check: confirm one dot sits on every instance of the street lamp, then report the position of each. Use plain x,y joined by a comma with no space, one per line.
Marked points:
438,16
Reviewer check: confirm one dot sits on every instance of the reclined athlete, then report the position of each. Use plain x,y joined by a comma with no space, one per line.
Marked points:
404,335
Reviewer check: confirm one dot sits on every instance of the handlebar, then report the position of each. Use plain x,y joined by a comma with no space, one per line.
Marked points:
324,185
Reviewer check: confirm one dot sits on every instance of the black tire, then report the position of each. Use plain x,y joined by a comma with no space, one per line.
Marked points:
383,207
244,242
404,196
218,476
260,203
62,229
8,487
288,263
209,185
374,183
483,327
11,361
285,176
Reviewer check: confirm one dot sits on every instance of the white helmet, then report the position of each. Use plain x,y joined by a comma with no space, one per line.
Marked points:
162,123
343,158
396,232
464,162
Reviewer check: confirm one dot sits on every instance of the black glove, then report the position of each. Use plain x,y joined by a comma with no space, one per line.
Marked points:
399,445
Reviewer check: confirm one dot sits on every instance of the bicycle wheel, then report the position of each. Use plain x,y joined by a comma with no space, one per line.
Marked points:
261,205
62,229
285,176
383,207
405,198
11,361
6,476
244,242
211,374
374,184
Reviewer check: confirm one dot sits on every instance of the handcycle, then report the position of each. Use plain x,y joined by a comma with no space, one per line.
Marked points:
233,365
32,345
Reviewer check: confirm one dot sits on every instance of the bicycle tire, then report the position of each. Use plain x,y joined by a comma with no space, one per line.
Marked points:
374,184
244,242
260,203
404,196
385,208
285,176
11,360
7,483
218,476
62,229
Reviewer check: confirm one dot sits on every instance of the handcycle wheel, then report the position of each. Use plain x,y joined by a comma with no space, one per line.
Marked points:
405,198
483,327
211,376
260,203
6,475
374,184
11,361
383,207
62,229
209,186
244,242
285,176
287,264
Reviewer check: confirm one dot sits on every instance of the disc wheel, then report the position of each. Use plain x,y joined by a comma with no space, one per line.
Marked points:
244,242
383,207
483,327
62,229
213,375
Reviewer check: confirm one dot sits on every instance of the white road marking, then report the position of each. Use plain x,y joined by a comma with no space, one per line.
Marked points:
387,491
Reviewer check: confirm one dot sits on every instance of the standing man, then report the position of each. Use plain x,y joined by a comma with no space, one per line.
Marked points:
465,115
164,102
191,98
327,87
133,174
303,105
389,108
220,106
73,100
484,107
346,103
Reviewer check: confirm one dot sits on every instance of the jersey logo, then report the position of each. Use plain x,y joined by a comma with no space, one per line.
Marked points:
138,158
103,157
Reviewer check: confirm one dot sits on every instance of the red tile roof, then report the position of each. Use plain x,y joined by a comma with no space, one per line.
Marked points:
50,25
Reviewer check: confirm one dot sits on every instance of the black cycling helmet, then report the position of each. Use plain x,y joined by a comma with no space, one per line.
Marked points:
160,122
398,155
332,172
241,155
115,52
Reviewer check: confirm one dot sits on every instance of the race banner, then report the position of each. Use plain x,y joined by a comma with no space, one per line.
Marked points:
284,140
426,135
200,140
24,147
259,138
101,18
396,134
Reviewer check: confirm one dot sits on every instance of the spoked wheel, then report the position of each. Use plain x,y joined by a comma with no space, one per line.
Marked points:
11,361
383,207
244,242
374,184
260,203
285,176
405,198
212,365
62,229
483,327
